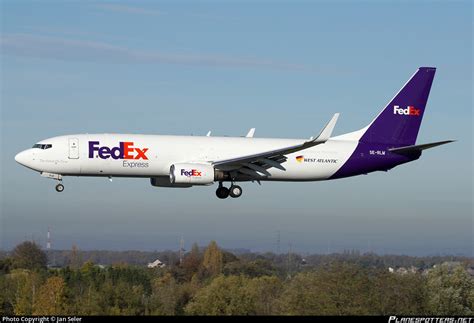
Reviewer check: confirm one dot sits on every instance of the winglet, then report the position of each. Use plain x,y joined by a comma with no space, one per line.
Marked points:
250,133
327,131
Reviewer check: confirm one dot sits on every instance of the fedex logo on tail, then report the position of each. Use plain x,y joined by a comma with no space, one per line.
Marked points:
409,111
125,150
191,173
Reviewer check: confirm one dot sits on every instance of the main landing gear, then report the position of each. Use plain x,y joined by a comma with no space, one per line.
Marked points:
224,192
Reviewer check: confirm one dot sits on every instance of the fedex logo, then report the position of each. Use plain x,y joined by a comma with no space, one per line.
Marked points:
125,150
409,111
191,173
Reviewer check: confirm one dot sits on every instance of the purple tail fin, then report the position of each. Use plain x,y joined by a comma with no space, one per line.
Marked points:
399,122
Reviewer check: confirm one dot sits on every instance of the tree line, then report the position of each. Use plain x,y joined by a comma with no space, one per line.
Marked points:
63,258
212,281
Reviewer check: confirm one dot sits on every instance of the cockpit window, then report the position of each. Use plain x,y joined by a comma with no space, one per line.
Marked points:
42,146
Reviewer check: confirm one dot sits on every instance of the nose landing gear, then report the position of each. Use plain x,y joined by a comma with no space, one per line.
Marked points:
58,177
224,192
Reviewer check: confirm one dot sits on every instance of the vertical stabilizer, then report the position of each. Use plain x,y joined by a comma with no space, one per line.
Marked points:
399,122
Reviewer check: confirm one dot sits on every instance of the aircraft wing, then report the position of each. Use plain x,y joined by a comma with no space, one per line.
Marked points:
257,164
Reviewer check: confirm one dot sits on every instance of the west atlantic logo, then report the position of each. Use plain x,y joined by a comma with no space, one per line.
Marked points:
302,159
191,173
409,111
125,150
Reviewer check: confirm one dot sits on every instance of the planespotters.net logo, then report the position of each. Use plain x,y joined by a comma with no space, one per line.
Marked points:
408,111
421,319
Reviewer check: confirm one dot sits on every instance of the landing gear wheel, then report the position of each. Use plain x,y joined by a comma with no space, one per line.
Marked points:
59,187
235,191
222,192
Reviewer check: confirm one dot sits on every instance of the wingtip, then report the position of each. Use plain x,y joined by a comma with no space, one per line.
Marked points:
251,133
328,129
449,141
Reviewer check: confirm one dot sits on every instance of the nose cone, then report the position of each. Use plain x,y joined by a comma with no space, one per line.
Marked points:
22,158
26,158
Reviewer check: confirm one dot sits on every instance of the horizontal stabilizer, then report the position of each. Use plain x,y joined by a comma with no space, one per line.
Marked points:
407,150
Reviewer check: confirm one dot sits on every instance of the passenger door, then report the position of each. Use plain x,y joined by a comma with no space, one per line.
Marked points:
73,148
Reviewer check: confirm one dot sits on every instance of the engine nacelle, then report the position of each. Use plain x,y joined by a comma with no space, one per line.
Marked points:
191,173
164,181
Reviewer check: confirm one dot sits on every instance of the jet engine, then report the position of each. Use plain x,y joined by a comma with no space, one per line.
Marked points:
192,173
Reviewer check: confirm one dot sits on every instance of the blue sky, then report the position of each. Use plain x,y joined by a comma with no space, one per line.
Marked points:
282,67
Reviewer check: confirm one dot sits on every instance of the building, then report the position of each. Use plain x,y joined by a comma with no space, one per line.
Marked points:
156,264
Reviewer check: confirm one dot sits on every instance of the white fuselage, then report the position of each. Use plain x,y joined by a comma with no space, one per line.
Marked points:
73,155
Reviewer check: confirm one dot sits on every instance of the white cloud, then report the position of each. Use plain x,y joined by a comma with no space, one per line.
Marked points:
81,50
129,9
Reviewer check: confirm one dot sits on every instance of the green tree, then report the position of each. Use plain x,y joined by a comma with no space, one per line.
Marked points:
191,263
6,265
81,292
25,285
226,295
106,298
339,289
394,293
28,255
88,302
6,296
51,297
129,299
213,259
255,268
450,291
165,296
264,291
75,257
